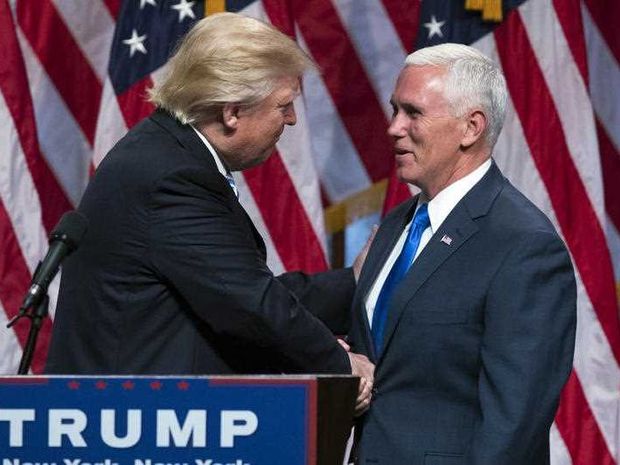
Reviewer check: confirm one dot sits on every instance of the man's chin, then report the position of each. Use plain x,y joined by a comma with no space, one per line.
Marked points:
257,160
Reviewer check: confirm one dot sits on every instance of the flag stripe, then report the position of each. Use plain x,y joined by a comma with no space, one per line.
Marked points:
285,217
606,14
14,274
296,153
569,94
14,87
582,438
245,196
132,102
297,174
14,279
553,160
610,160
559,454
92,28
47,33
114,6
348,86
405,16
372,34
329,135
594,361
569,16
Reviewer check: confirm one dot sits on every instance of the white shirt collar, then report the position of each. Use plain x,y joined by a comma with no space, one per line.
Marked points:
443,203
220,166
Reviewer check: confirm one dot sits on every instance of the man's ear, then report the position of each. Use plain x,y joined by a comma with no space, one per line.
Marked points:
230,116
476,125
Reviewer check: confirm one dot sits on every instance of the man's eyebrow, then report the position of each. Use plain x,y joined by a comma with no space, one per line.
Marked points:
406,106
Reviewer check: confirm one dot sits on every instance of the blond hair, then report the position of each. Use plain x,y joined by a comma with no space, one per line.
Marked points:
226,58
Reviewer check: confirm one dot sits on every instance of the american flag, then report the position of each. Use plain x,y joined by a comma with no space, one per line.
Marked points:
73,76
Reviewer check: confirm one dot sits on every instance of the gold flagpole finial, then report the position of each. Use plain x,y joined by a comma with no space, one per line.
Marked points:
214,6
491,9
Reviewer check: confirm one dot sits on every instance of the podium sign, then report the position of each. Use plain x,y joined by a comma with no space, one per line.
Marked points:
159,420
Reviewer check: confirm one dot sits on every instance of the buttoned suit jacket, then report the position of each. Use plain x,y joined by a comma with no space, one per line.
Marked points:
171,276
479,338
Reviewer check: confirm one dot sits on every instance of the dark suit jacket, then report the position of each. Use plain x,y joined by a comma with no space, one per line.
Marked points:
171,275
479,339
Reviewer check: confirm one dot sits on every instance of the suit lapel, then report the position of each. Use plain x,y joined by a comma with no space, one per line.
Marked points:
190,140
458,227
382,246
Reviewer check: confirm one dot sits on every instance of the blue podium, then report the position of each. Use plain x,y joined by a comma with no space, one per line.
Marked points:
161,420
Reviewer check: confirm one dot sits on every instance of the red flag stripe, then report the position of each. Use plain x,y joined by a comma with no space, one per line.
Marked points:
133,103
553,160
349,87
606,14
610,161
63,61
406,17
298,245
114,6
14,88
280,16
14,279
569,16
583,438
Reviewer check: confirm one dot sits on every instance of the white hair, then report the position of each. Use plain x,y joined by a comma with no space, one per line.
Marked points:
472,80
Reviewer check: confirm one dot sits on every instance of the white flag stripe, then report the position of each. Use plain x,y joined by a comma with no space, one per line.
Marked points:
597,368
110,124
92,27
19,194
613,239
66,150
594,361
328,137
604,77
377,44
570,97
295,152
559,454
604,73
10,349
274,262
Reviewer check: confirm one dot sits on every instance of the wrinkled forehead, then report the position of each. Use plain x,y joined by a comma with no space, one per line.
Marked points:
420,83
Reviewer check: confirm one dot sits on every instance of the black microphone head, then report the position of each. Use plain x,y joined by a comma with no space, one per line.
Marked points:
70,229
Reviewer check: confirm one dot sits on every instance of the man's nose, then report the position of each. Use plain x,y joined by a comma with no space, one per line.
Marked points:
396,128
290,117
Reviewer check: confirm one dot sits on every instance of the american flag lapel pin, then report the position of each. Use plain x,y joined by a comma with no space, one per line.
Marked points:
446,239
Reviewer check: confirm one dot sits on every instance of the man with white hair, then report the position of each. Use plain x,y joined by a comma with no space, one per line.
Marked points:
467,300
171,277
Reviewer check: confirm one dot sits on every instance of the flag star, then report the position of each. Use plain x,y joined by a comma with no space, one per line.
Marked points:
136,43
143,3
434,27
184,8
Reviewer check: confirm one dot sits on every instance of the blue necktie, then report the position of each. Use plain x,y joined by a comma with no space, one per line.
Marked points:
398,271
231,182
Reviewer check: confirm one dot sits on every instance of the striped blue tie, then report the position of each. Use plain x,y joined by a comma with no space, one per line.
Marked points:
231,182
398,271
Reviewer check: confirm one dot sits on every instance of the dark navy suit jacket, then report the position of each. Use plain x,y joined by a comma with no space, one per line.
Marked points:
171,275
479,339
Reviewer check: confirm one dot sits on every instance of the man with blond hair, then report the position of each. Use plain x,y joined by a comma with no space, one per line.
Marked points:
467,300
171,276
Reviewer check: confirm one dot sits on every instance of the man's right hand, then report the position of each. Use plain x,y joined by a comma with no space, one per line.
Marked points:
362,367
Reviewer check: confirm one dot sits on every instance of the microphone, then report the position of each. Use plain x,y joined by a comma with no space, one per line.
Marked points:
64,239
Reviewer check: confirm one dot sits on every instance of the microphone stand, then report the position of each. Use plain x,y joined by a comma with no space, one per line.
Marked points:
36,321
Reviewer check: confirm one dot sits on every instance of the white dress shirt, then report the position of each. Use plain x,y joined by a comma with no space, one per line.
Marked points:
220,166
438,210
